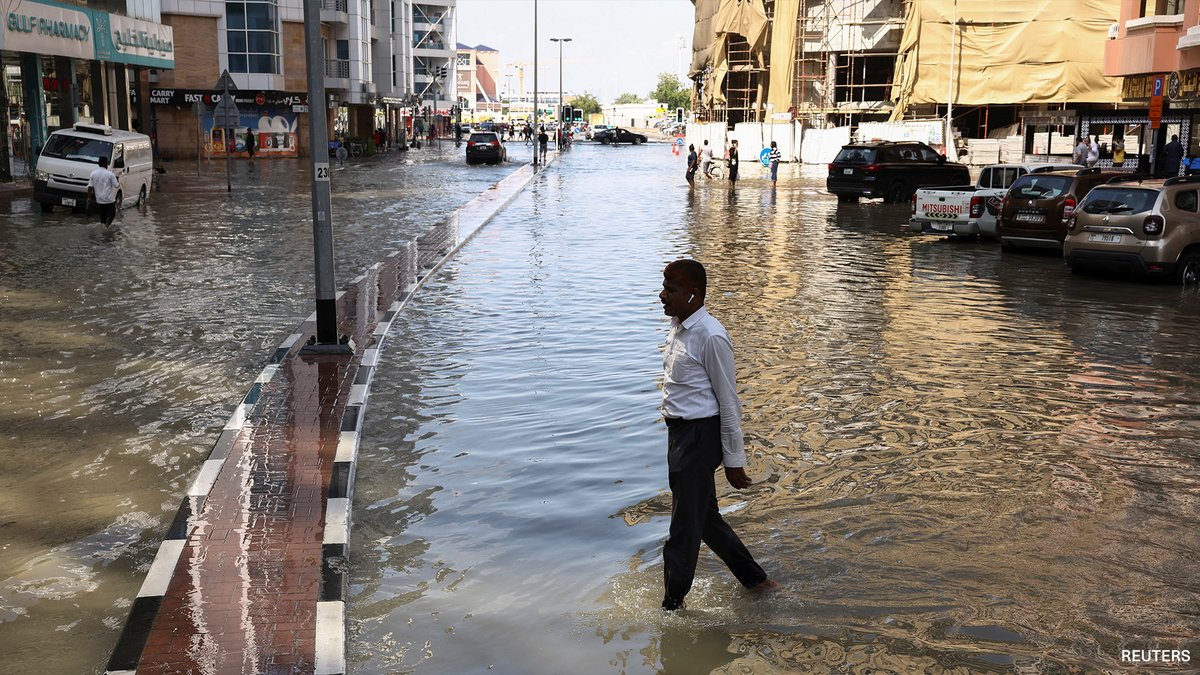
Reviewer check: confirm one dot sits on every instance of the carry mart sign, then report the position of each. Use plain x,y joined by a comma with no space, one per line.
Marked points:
46,27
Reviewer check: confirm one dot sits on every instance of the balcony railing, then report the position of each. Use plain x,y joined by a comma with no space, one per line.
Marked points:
335,5
337,68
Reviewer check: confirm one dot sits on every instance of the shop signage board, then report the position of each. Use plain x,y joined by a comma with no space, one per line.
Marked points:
49,29
66,30
208,97
1156,100
133,41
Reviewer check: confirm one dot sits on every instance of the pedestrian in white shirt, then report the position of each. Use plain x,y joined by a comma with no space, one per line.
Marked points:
1093,153
704,430
102,188
706,159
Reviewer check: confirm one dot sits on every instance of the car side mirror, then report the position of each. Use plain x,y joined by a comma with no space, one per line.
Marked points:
120,163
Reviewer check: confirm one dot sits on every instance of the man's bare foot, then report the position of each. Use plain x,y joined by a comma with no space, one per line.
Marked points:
766,587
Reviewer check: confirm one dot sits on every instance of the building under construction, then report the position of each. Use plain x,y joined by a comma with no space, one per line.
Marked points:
819,62
840,63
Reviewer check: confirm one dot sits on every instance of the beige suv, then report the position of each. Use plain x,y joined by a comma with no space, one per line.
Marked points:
1149,227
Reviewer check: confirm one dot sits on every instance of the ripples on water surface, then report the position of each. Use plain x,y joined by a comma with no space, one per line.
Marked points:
966,461
123,353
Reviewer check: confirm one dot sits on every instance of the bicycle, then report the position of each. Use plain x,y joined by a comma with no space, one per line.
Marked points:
716,170
356,149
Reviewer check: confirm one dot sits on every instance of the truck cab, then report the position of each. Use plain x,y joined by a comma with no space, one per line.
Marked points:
971,210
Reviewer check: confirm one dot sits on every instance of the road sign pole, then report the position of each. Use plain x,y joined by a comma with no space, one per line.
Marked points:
327,336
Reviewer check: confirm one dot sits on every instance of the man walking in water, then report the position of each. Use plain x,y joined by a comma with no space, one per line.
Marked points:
102,188
704,430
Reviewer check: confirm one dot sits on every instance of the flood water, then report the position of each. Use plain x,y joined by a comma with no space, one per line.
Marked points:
123,353
965,460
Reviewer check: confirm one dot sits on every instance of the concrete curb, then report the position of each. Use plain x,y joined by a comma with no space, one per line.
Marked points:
407,270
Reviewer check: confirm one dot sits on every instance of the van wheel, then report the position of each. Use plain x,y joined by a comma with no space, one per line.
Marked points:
47,207
141,197
847,199
1187,272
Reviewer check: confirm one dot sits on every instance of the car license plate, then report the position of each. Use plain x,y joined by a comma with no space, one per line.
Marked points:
941,227
1030,218
1106,238
67,201
848,172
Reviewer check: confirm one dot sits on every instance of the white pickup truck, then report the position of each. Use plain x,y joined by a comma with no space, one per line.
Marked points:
967,210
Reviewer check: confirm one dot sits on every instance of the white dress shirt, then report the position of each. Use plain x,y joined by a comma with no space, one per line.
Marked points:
699,379
105,185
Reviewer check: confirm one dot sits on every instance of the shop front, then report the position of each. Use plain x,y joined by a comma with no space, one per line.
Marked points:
64,64
183,120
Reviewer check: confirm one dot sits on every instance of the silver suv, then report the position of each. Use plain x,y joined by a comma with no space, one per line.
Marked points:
1145,226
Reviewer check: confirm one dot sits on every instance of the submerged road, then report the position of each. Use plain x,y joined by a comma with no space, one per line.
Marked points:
965,460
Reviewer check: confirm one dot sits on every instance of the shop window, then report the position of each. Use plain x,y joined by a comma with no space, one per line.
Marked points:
252,36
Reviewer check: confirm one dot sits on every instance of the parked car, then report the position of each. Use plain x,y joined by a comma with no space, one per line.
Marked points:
1148,227
615,135
70,155
1034,212
891,170
485,146
969,210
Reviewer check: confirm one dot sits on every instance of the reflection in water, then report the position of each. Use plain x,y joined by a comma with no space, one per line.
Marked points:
967,461
123,353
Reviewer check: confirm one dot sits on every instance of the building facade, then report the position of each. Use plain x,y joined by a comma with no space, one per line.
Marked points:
67,63
1155,40
382,61
479,79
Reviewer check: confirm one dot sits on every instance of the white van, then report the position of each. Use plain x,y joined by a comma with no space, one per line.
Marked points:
70,156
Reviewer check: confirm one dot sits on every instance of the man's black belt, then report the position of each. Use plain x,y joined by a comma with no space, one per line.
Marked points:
679,421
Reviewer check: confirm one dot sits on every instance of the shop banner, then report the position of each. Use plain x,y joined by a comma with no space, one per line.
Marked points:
274,131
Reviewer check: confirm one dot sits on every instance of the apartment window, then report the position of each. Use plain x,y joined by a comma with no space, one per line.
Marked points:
1160,8
252,29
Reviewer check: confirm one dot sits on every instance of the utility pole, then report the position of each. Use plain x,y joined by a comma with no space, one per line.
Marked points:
326,340
535,82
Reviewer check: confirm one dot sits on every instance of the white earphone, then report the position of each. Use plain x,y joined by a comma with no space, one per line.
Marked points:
691,297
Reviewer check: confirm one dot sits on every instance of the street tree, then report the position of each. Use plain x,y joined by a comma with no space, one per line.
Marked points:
628,97
587,103
671,92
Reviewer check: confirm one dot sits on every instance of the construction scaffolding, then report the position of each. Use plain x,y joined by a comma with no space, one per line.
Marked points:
845,57
823,62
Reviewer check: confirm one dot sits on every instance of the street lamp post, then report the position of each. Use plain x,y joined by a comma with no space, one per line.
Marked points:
561,105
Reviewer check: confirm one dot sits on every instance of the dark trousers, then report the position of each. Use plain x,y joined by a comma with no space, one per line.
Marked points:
693,455
107,212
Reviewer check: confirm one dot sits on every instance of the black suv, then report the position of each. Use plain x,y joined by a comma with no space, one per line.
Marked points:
892,170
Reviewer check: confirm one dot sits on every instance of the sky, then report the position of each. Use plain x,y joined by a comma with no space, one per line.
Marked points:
617,46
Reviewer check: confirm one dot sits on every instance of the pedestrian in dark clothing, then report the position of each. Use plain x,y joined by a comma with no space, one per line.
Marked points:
543,141
703,414
774,157
693,164
1172,156
733,162
250,145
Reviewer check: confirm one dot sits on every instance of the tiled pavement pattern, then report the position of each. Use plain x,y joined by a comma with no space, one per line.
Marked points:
250,578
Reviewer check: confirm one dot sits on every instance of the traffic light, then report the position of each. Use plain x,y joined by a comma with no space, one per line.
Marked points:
679,115
578,115
565,115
